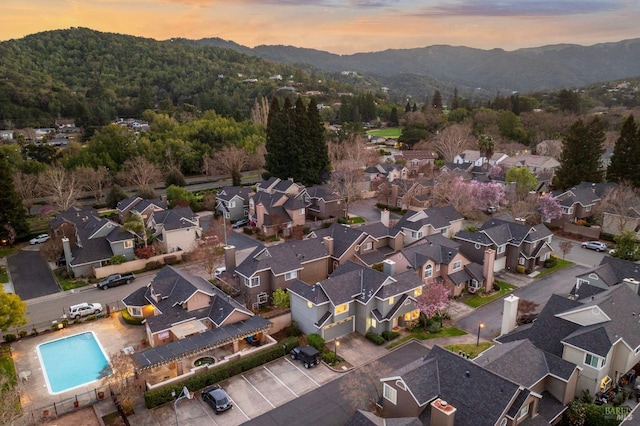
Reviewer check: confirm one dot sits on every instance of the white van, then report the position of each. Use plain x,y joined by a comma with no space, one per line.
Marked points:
83,310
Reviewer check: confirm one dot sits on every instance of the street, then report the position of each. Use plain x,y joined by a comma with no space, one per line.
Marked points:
577,254
539,291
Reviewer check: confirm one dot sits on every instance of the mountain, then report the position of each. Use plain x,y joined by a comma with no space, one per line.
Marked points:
471,70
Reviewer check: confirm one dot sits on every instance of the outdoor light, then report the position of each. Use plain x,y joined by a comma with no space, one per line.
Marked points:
335,349
480,326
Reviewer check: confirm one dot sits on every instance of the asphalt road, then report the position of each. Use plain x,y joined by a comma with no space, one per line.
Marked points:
539,291
331,404
30,274
577,254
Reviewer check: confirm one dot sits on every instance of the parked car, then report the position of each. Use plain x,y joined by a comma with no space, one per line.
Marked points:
594,245
39,239
490,210
219,271
83,310
217,398
309,355
240,223
115,280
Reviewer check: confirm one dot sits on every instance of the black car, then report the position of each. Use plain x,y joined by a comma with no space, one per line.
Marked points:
217,398
309,355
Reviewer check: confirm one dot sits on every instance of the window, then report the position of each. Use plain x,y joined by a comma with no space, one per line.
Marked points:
399,203
444,230
437,267
367,246
390,394
416,235
374,323
521,261
262,298
136,312
503,422
252,282
391,299
456,265
417,292
301,211
128,244
567,210
290,275
587,209
593,361
502,248
232,204
341,308
428,271
523,412
474,284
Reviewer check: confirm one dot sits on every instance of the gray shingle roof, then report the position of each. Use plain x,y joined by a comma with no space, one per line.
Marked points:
282,258
227,193
437,217
344,237
366,418
312,293
176,218
622,268
434,247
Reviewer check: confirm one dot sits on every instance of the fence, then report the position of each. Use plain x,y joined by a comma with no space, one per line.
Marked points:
54,410
137,265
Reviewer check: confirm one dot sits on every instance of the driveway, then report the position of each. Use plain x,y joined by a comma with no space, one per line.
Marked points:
577,254
367,209
539,291
31,275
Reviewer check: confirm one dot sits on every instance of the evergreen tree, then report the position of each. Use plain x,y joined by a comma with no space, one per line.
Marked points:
393,117
407,108
455,103
414,108
276,128
436,101
318,151
582,150
12,212
624,162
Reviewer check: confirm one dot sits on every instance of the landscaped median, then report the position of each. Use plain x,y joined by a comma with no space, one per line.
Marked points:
470,349
160,396
424,335
480,298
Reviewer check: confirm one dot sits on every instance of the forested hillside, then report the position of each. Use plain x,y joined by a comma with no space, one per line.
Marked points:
93,77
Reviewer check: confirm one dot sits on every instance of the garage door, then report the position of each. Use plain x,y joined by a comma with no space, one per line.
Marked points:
500,264
339,329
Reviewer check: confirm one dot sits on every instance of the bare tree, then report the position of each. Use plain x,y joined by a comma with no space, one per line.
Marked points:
209,249
230,160
260,112
362,387
62,186
526,311
347,159
452,140
95,181
621,206
565,247
10,408
123,380
140,172
27,188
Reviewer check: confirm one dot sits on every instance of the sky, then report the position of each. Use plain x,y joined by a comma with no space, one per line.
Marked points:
339,26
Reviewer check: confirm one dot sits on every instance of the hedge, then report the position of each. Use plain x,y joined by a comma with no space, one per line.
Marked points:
316,341
389,335
375,338
156,397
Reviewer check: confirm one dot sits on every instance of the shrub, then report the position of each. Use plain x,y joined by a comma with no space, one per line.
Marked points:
293,330
175,177
520,269
389,335
22,333
150,266
550,263
496,286
330,358
144,252
170,260
9,337
434,328
375,338
131,320
156,397
527,271
117,260
316,341
91,318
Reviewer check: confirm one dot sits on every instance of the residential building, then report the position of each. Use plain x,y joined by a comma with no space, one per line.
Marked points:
324,203
410,194
388,172
139,205
416,159
176,229
610,272
537,164
232,202
276,213
434,220
479,160
578,202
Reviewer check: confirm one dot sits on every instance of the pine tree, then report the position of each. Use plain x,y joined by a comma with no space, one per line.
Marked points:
275,140
625,156
318,146
407,108
12,212
455,103
582,150
393,117
436,101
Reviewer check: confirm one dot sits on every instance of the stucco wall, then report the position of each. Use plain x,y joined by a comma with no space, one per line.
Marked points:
134,265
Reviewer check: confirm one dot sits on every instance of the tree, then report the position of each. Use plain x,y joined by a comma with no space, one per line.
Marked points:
95,180
565,247
624,164
620,204
548,207
393,117
534,208
27,188
280,298
627,246
362,388
466,197
140,172
436,101
582,150
61,186
123,380
526,310
12,311
179,196
12,210
487,146
174,177
523,178
347,158
260,112
10,408
230,160
433,300
209,250
452,140
115,195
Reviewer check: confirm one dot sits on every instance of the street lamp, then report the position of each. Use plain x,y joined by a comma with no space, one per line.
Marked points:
184,394
335,349
480,326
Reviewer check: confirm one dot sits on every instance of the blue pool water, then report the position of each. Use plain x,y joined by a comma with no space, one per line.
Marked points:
72,361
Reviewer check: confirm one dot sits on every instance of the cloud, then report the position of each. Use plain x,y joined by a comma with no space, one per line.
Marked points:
521,8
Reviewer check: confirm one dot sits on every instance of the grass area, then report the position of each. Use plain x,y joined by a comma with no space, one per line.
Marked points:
423,335
67,283
7,368
6,251
4,278
561,263
390,132
479,299
470,348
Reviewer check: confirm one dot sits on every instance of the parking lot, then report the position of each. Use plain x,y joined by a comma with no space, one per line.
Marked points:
253,393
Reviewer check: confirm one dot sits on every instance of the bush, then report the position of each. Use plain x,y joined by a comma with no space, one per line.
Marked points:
496,286
375,338
91,318
9,337
22,333
150,266
293,330
175,177
316,341
527,271
550,263
330,358
131,320
144,252
170,260
156,397
389,335
117,260
520,269
434,328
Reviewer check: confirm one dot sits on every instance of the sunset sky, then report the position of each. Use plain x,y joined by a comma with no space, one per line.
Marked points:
339,26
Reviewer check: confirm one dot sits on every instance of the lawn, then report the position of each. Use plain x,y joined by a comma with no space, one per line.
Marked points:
423,335
561,263
478,300
7,368
470,348
390,132
4,278
6,251
69,283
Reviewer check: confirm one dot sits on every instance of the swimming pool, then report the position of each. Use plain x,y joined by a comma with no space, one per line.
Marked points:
72,361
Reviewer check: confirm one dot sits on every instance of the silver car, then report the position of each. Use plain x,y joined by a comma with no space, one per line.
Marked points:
594,245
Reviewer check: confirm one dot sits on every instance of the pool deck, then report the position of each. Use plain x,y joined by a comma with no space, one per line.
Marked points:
113,335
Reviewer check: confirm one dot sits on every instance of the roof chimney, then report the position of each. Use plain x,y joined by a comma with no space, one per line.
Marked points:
389,267
509,314
230,258
328,244
487,269
442,413
384,217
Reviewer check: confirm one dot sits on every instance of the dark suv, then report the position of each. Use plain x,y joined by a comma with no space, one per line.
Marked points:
217,398
309,355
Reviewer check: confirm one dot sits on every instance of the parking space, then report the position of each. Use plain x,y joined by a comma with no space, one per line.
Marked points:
253,393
